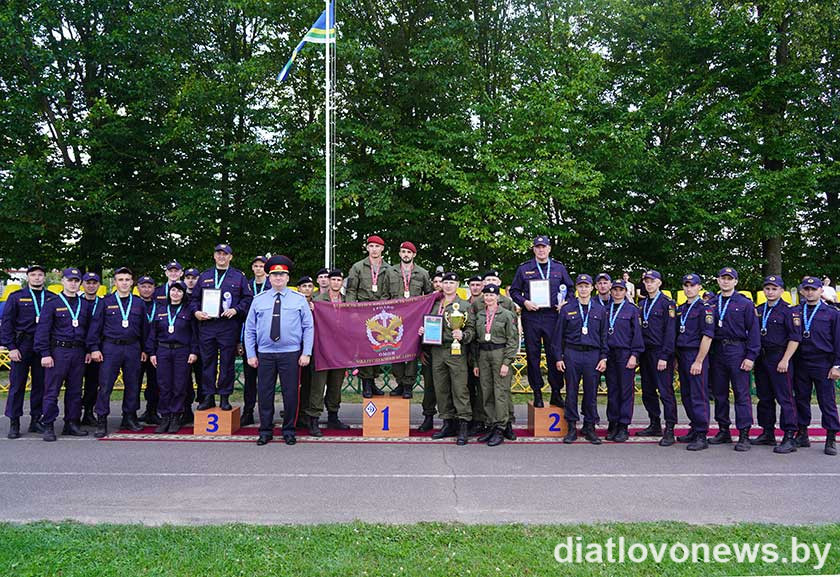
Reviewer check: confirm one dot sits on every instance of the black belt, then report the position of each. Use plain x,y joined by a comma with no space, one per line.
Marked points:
582,348
772,350
171,345
491,346
731,341
19,337
121,341
69,344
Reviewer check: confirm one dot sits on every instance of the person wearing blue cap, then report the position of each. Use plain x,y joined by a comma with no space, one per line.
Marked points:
580,345
146,290
817,364
625,344
258,284
696,320
781,333
735,348
117,333
539,287
656,364
174,272
603,284
218,335
193,391
60,340
91,282
17,333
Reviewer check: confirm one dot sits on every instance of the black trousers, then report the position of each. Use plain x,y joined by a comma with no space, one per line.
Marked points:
285,367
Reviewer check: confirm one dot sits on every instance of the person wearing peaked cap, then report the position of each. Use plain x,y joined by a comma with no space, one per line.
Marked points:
219,317
193,391
781,333
449,363
817,364
90,387
306,287
322,279
429,402
258,284
146,289
116,337
60,341
406,280
21,316
174,272
492,276
474,285
495,352
478,424
540,317
279,334
736,346
580,346
190,279
656,364
330,380
603,284
368,280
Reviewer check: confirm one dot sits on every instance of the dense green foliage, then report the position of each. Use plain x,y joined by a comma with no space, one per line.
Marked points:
681,135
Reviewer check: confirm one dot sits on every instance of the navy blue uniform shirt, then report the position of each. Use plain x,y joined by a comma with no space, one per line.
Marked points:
698,318
661,325
184,324
57,323
568,330
627,328
107,321
824,334
520,288
236,292
739,322
19,315
783,324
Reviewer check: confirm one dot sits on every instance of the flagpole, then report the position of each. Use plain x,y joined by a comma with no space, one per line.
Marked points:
328,145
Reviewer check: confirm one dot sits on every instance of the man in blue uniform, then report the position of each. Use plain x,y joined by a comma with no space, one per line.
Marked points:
539,287
817,364
17,333
696,330
258,284
625,344
90,289
580,345
219,331
781,332
190,280
174,271
146,290
735,348
60,340
603,284
116,338
279,333
657,361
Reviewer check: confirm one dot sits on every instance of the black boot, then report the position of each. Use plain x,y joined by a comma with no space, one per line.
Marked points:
508,432
743,443
397,391
611,430
314,429
72,429
698,444
556,399
571,435
486,435
377,392
447,430
247,418
333,422
408,392
477,428
801,438
463,432
174,423
788,444
224,403
590,434
496,438
101,426
621,433
688,437
428,423
35,425
208,402
367,388
49,433
130,422
830,443
151,416
667,436
187,417
88,418
14,429
163,426
723,436
652,430
767,437
538,400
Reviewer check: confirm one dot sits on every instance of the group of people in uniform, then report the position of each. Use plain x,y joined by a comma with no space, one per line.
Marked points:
588,327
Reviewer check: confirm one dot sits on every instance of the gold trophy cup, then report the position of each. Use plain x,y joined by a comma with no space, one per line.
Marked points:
456,321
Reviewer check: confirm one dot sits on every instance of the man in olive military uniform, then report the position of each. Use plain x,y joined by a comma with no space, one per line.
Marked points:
429,398
368,281
450,369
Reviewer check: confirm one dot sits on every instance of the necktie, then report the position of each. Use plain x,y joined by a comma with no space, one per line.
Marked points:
275,320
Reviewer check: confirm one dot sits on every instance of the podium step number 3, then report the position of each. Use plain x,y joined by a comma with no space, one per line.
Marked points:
216,422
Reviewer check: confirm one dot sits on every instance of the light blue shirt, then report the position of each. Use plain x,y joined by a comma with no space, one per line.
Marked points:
296,326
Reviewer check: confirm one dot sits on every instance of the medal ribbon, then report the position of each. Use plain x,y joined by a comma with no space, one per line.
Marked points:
615,316
218,281
585,318
75,316
684,316
723,308
646,310
170,318
765,316
35,302
124,312
805,317
151,315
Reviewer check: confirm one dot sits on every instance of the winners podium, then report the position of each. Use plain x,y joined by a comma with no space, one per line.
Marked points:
547,421
216,422
385,417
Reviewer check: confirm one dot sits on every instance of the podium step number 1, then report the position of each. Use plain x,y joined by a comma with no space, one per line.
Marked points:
386,417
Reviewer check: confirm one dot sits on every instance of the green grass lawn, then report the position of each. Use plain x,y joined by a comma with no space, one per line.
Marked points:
427,550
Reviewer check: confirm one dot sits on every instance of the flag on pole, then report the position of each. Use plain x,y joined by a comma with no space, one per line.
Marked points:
318,34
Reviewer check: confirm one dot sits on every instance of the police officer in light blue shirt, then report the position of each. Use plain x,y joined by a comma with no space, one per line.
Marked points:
278,341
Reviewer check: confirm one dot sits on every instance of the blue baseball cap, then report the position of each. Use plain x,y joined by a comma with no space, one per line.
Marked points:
774,280
173,264
583,278
259,258
603,275
619,284
192,272
652,274
224,248
71,273
810,281
145,280
542,241
692,279
728,271
91,276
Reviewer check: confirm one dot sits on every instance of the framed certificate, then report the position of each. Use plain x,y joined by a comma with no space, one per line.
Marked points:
432,330
540,293
211,302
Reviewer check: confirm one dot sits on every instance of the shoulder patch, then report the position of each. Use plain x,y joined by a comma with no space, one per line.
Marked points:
710,319
672,312
796,320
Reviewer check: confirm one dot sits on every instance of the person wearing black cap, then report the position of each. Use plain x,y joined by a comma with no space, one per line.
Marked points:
817,364
90,285
306,287
735,348
492,276
173,271
539,318
219,334
781,333
117,333
322,277
580,345
368,281
332,379
249,389
429,399
193,393
172,346
656,364
60,340
450,369
495,351
146,290
278,339
407,280
17,333
474,287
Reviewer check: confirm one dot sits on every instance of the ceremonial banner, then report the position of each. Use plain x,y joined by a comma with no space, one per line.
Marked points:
351,335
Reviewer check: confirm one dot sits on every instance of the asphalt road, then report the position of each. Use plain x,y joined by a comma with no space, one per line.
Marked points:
195,483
